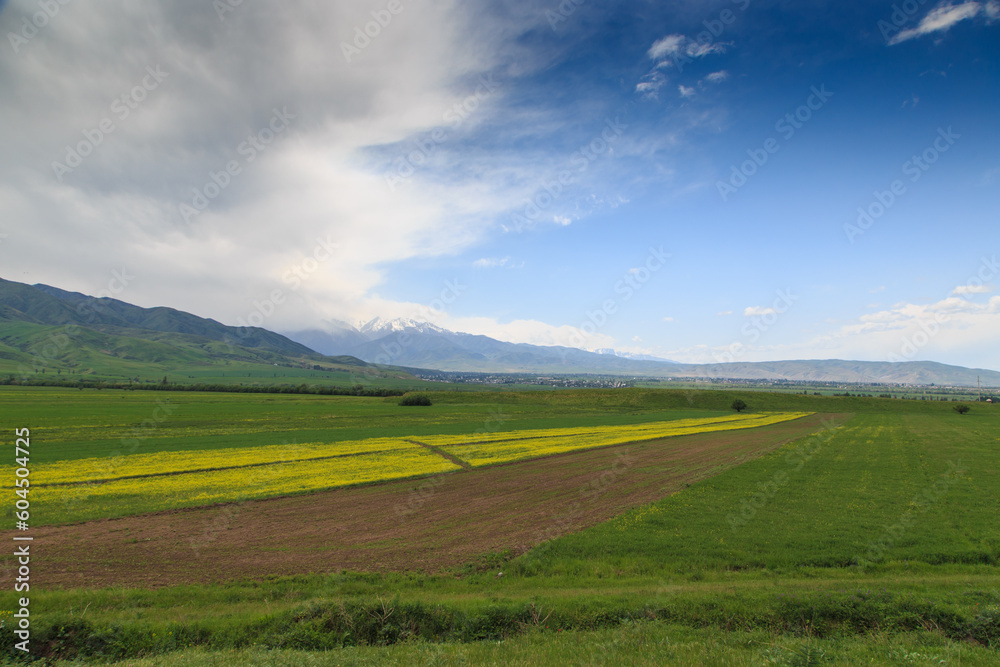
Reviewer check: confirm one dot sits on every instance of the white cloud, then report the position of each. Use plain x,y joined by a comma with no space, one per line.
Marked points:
953,327
490,262
667,49
668,319
650,84
942,17
324,177
717,77
992,10
667,46
752,311
973,289
528,331
723,313
685,91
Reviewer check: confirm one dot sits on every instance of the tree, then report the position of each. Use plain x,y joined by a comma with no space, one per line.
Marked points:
738,405
961,408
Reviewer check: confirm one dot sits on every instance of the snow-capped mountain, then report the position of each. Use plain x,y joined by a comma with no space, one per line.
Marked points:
413,344
379,327
408,342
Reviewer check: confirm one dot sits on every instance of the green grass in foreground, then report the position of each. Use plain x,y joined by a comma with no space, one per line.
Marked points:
630,643
845,554
881,488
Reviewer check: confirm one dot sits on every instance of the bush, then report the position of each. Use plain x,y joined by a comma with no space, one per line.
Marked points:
738,405
415,399
961,408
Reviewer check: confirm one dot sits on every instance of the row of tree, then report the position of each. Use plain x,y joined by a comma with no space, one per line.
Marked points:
356,390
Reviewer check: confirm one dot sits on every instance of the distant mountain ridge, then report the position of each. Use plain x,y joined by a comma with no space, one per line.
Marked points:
414,344
110,329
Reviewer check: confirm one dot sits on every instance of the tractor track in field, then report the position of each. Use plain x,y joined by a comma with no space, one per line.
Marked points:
427,524
440,452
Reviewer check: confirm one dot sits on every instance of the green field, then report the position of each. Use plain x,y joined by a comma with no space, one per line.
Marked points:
873,541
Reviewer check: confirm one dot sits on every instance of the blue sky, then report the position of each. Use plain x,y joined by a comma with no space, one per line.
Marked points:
681,179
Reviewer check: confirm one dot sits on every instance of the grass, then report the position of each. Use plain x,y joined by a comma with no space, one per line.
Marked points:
873,541
880,489
631,642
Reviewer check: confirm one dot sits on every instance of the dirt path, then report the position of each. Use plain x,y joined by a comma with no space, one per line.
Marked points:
427,525
440,452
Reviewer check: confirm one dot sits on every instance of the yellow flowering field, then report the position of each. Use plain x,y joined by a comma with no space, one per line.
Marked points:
82,489
109,468
189,489
516,445
638,429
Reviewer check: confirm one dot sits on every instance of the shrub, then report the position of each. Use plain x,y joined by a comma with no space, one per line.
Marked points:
415,399
739,405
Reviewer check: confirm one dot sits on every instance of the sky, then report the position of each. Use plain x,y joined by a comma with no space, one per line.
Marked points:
703,181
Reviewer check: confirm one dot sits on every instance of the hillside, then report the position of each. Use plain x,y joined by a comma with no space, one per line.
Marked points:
45,330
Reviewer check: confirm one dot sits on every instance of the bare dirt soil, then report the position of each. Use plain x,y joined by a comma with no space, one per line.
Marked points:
428,524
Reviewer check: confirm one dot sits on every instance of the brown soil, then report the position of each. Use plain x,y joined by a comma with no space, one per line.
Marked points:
425,524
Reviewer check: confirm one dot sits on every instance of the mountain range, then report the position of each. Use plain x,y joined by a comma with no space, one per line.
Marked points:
416,344
47,327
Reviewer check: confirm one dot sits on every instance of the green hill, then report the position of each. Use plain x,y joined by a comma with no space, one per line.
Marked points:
46,332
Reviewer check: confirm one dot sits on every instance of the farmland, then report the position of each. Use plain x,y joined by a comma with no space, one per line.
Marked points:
107,487
856,529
